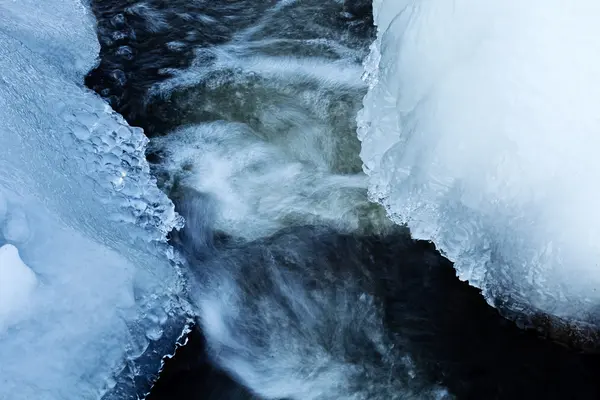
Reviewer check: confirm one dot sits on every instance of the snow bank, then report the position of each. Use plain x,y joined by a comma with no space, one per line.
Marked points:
77,200
17,282
480,131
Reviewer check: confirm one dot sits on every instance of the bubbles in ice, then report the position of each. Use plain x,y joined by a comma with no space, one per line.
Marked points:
80,131
89,119
115,159
119,182
122,133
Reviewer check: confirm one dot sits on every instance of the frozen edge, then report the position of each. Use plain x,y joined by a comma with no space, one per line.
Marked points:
582,332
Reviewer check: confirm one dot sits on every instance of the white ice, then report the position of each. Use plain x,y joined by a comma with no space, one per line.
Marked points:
481,131
17,282
83,258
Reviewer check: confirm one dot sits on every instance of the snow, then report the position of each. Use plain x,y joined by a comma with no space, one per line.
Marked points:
480,132
17,282
92,270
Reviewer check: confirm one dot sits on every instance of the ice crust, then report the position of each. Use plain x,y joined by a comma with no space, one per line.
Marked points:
78,202
480,131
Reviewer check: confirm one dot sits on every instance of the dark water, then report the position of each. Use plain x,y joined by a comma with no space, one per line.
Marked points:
143,41
324,308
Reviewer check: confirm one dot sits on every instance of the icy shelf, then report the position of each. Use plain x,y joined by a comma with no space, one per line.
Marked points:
78,201
480,132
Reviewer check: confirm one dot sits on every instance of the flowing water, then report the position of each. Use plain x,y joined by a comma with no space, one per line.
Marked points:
303,289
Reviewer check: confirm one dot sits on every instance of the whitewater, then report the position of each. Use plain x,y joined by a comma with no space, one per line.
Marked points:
246,180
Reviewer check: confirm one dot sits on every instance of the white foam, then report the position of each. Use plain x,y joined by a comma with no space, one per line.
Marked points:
480,131
258,186
239,57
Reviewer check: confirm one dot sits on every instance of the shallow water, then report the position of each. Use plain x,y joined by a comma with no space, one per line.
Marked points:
313,293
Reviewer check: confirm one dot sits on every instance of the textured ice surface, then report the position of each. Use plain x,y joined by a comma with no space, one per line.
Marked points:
77,200
480,131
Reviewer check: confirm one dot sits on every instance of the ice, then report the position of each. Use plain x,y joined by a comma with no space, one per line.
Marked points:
480,132
3,208
78,202
16,228
17,282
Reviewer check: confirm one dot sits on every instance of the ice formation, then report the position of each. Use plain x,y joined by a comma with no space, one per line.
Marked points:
79,204
480,132
17,282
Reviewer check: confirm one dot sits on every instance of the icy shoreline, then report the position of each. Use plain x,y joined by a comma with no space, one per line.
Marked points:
479,132
79,203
